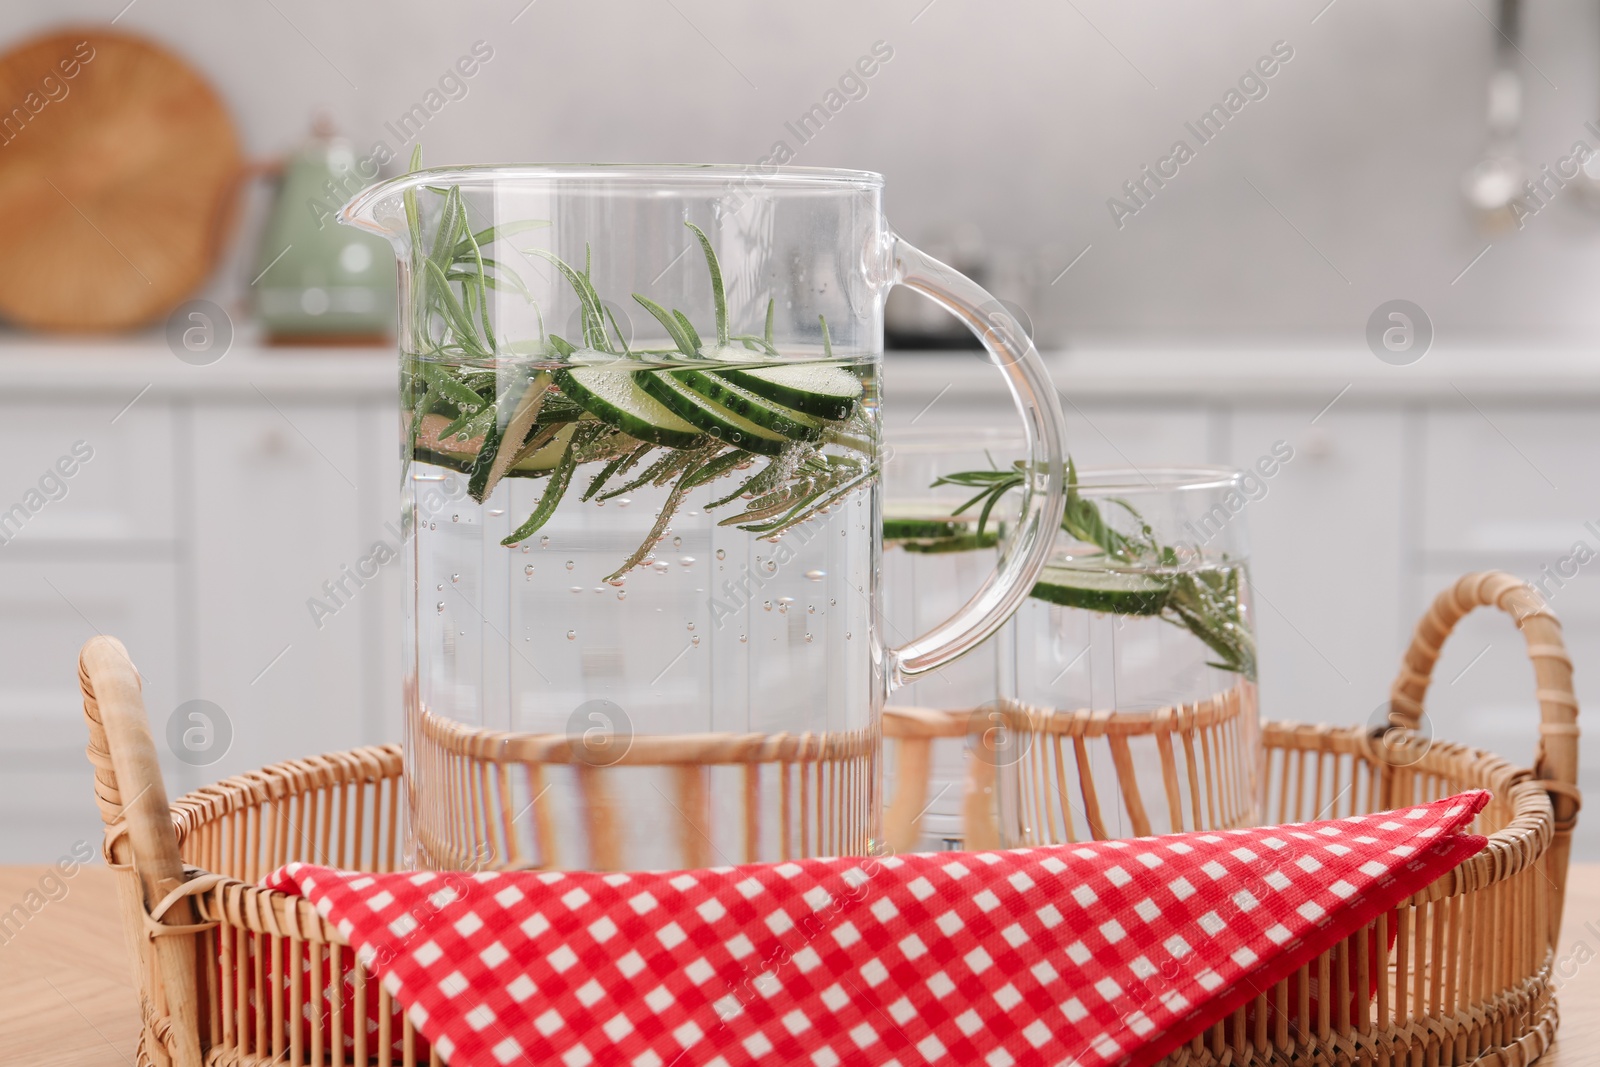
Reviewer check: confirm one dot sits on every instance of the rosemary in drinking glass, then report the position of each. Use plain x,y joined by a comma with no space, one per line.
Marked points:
1137,574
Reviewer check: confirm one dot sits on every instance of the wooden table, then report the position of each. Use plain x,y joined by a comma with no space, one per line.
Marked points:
67,999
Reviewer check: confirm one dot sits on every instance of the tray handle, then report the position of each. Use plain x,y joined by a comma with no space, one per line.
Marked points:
140,839
1556,759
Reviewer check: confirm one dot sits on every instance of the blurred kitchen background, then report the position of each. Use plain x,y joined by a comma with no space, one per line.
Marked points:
1222,303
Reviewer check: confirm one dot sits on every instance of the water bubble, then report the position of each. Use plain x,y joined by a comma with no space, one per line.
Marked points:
599,503
497,512
661,566
617,581
440,607
571,564
526,549
624,502
722,553
808,639
572,635
622,594
771,566
440,587
455,579
832,602
455,518
528,570
816,576
811,609
695,640
544,542
433,526
743,639
677,542
599,589
577,589
847,635
686,561
766,605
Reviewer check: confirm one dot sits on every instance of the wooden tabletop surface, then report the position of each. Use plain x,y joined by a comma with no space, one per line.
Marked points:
67,999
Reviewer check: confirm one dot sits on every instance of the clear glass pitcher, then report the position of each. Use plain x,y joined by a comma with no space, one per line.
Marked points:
640,429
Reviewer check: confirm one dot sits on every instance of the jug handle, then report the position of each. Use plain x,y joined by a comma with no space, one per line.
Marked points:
1023,557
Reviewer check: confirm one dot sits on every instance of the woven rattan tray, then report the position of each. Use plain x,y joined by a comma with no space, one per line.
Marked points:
1462,971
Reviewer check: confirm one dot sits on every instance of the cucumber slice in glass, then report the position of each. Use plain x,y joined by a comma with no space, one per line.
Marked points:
967,542
1110,592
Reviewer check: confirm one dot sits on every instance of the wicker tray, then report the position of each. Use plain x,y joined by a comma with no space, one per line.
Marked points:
1467,978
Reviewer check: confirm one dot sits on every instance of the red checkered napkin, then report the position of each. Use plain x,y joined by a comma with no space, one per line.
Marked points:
1107,953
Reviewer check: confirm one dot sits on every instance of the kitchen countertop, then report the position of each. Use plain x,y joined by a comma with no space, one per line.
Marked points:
67,998
1290,371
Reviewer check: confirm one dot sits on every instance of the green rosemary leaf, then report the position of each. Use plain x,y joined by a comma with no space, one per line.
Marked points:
754,343
490,234
716,468
483,303
719,296
594,330
550,499
766,336
668,509
442,383
600,479
621,340
827,342
454,314
674,331
651,473
621,465
688,332
808,508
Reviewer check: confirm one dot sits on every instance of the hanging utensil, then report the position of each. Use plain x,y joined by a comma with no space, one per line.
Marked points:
1495,183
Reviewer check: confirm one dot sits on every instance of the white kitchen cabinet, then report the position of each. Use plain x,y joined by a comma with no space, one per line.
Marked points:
1510,481
120,497
288,499
49,608
1326,561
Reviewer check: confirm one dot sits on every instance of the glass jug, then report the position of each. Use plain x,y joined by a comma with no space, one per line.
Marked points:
640,425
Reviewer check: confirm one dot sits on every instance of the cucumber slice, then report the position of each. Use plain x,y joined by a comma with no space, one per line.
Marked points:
1110,592
614,398
960,543
714,419
820,389
906,529
792,424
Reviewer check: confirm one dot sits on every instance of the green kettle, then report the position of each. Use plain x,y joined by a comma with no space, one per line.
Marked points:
316,282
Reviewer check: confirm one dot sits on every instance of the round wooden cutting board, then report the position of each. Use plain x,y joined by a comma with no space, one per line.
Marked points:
118,172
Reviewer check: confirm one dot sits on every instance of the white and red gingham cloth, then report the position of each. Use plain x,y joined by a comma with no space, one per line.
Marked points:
1110,953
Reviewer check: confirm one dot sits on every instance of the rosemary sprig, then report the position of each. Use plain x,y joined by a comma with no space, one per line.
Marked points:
500,415
1206,602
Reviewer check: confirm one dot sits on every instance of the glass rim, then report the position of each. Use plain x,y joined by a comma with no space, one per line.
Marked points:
641,175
